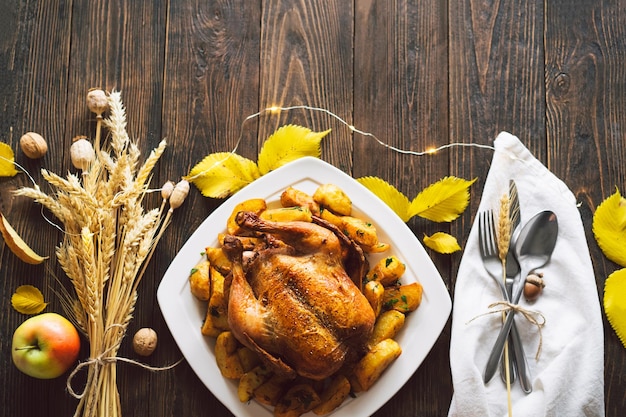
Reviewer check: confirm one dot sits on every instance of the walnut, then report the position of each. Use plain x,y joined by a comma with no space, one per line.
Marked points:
33,145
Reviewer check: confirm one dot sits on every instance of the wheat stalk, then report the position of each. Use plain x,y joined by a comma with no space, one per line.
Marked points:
109,239
504,240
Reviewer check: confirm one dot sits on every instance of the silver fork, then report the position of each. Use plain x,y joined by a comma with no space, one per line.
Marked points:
487,242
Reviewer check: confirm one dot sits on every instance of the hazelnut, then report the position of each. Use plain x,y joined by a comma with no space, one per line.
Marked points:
33,145
97,101
533,286
82,153
145,341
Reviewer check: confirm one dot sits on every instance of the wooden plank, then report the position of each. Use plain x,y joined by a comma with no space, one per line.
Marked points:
400,97
586,95
306,60
211,83
34,52
496,84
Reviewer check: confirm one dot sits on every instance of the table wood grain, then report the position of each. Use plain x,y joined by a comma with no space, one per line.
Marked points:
415,73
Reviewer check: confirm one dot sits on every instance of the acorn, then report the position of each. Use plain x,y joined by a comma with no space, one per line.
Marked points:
533,286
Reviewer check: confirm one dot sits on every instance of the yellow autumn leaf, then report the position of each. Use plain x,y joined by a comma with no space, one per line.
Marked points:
7,161
442,201
17,245
221,174
390,195
28,300
442,242
615,302
287,144
609,228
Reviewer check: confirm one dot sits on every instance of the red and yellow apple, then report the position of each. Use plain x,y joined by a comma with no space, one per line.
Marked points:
45,346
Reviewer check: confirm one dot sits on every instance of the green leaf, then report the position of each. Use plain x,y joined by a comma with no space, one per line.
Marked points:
220,175
390,195
615,302
442,242
609,228
287,144
442,201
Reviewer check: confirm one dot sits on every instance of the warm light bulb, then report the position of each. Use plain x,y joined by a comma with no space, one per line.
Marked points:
273,109
431,151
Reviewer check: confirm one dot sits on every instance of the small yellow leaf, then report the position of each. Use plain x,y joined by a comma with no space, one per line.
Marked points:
17,244
442,201
220,175
7,161
28,300
390,195
609,228
442,242
287,144
615,302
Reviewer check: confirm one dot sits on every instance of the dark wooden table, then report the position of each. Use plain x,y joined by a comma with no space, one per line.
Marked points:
415,73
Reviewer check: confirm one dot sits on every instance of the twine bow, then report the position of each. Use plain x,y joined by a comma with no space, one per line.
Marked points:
102,359
536,318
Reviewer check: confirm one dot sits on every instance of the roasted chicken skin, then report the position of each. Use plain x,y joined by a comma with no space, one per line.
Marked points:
294,304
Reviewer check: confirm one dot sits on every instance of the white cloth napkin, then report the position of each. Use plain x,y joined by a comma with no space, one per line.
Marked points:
568,378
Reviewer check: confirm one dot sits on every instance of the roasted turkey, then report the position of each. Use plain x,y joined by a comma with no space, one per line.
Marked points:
293,302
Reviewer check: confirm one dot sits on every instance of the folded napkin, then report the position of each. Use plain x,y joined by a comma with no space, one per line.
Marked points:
568,377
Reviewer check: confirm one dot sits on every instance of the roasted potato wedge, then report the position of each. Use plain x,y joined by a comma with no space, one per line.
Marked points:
333,198
361,231
226,356
298,399
387,326
250,381
249,358
387,271
288,214
378,248
374,292
216,319
331,218
405,298
293,197
255,205
271,390
373,364
200,281
218,259
333,395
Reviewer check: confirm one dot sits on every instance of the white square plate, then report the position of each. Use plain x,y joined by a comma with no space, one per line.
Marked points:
184,314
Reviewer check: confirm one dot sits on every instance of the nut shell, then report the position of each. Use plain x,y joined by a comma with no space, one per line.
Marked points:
533,286
145,341
33,145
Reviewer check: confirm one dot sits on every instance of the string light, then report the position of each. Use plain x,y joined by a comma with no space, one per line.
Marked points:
278,109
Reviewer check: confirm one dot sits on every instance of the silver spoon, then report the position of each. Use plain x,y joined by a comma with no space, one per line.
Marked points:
534,249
